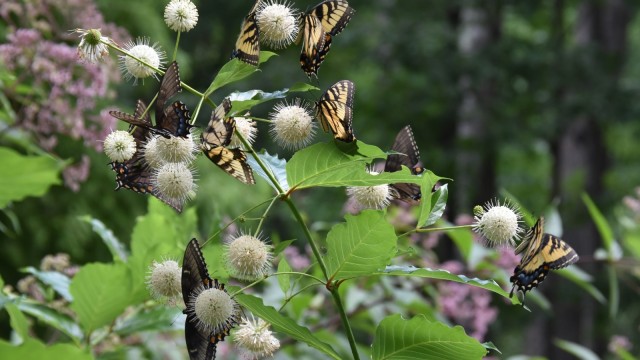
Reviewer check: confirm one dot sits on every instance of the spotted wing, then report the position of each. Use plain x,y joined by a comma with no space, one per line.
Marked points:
409,156
169,87
335,110
541,253
334,15
248,45
177,120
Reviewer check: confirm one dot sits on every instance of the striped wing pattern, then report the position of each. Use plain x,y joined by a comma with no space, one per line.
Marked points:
334,110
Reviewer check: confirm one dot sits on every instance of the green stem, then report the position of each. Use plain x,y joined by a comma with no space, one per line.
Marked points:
264,167
307,234
345,322
235,219
259,119
175,49
276,274
289,298
444,228
264,215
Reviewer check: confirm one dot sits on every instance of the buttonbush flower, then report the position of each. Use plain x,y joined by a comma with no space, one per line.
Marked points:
277,23
371,197
152,55
498,223
181,15
176,149
256,339
247,128
215,310
175,180
119,146
292,125
164,279
248,257
92,48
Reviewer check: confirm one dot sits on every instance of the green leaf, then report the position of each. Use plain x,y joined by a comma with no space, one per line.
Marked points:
579,351
438,205
18,321
59,282
34,349
243,101
584,280
158,319
100,293
445,275
29,175
232,71
428,180
276,166
284,279
419,338
362,245
601,223
303,87
117,249
336,164
284,324
53,318
279,247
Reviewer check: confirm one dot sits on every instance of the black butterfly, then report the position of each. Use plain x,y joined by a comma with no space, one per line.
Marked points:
173,120
135,174
216,138
201,343
248,45
319,25
409,156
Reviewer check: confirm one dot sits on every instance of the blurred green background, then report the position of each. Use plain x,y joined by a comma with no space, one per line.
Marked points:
539,99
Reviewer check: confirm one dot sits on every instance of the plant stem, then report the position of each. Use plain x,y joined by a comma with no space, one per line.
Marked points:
444,228
345,322
307,234
264,215
175,49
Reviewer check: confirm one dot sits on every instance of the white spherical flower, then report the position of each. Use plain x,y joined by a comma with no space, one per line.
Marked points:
151,153
176,149
277,23
119,146
152,55
214,309
175,181
292,125
247,128
256,339
371,197
165,279
92,47
181,15
248,257
498,223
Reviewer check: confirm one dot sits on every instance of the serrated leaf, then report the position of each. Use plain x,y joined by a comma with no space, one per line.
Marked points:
100,293
243,101
59,282
158,319
284,324
284,279
34,349
276,166
117,249
332,164
363,244
419,338
446,275
29,175
235,70
303,87
53,318
438,205
17,320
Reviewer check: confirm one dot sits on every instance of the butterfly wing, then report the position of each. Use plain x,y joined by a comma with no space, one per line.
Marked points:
177,120
334,15
169,87
248,45
542,252
409,156
315,46
137,119
233,162
335,110
219,131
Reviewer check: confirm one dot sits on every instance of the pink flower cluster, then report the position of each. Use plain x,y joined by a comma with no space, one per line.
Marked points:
61,93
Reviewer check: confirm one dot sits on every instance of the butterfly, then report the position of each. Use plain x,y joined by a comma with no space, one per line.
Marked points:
201,343
409,156
335,110
215,139
135,174
173,120
541,252
324,21
248,45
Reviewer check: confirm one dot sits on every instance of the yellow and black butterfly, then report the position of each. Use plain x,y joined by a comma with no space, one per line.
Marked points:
135,174
334,110
201,341
541,252
248,44
215,139
172,120
409,156
319,25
